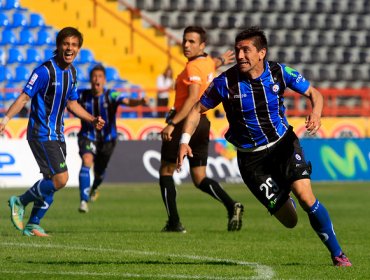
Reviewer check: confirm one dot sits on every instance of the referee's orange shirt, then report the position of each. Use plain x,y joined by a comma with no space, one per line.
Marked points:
198,71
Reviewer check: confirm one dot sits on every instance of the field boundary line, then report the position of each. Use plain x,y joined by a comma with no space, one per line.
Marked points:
262,271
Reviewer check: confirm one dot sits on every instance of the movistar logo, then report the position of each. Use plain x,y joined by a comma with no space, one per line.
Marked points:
291,71
62,165
115,94
272,204
88,147
344,165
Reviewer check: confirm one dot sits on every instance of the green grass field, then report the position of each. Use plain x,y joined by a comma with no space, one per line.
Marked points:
120,238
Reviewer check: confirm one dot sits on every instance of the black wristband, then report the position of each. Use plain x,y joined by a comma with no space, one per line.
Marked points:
222,60
170,122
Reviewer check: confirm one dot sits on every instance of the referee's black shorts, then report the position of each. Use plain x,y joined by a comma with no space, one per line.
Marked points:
198,143
270,173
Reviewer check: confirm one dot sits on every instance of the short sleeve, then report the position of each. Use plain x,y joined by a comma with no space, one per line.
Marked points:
37,81
295,80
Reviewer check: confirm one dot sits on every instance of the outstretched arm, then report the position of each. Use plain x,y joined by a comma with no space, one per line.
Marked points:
190,125
14,109
313,121
225,59
81,113
134,102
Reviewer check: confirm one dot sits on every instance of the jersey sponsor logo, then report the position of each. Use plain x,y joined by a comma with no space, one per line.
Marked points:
194,79
62,165
291,71
55,83
298,157
33,79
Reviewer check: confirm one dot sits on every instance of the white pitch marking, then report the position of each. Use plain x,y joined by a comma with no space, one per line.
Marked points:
262,271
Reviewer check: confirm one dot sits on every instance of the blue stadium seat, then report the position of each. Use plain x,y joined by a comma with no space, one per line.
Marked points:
4,20
5,74
44,38
2,57
12,92
82,75
22,74
85,56
48,53
8,37
11,4
15,56
36,20
33,56
19,20
112,74
26,37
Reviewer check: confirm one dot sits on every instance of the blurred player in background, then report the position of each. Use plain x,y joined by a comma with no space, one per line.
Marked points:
164,86
190,84
52,88
270,158
96,146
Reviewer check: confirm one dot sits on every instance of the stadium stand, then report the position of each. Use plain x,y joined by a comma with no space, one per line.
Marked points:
26,40
313,32
318,37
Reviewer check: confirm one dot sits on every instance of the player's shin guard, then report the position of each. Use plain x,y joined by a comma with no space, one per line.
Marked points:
39,209
215,190
39,191
168,191
84,180
321,223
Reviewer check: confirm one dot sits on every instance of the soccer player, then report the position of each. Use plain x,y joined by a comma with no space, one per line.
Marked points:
189,85
52,88
270,158
96,146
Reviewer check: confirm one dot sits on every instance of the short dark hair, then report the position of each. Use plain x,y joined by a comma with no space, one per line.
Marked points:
259,37
68,32
98,67
197,29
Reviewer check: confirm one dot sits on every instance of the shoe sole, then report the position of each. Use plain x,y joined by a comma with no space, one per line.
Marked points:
11,205
236,222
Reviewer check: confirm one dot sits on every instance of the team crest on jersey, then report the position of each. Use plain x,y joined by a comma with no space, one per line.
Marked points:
33,79
275,88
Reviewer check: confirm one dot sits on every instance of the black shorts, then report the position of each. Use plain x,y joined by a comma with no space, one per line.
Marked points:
198,143
270,173
50,156
102,152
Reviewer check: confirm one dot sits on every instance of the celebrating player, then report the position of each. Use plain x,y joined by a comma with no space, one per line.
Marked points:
270,158
52,88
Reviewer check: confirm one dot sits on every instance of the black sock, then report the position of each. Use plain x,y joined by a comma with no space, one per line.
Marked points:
96,183
168,191
215,190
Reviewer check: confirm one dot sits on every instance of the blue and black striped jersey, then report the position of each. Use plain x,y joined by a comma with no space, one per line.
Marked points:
105,106
254,108
50,88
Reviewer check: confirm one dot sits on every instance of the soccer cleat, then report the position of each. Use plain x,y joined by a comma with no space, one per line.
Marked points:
341,260
16,212
235,217
174,228
94,195
84,208
34,230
